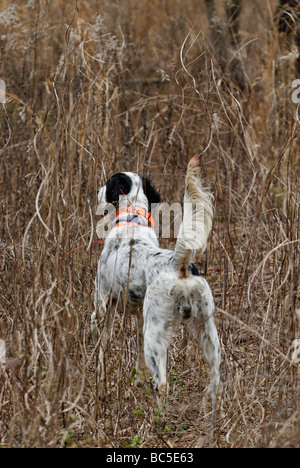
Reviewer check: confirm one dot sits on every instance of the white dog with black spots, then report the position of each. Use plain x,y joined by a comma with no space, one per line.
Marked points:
162,288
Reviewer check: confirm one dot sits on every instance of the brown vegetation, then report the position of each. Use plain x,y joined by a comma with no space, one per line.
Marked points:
98,87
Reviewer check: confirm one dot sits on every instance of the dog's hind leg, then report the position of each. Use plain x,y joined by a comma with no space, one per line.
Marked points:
156,352
205,330
158,331
209,342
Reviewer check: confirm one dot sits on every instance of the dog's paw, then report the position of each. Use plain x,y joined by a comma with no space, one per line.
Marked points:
161,398
94,328
140,377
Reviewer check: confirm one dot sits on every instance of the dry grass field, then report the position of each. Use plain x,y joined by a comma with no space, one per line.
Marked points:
96,87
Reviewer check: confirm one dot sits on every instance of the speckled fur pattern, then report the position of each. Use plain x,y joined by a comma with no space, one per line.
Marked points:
161,287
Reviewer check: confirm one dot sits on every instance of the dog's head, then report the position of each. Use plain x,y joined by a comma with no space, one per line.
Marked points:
130,188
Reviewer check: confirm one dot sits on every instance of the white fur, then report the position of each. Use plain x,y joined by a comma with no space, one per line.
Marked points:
140,276
197,218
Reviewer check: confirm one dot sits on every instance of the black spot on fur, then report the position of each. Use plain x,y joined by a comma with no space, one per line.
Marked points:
158,338
194,270
133,295
132,242
155,368
154,319
118,185
150,192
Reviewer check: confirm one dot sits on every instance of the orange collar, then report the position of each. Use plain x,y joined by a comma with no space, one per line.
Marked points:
138,211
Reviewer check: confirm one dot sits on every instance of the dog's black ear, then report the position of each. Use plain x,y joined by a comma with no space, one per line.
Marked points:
118,185
150,192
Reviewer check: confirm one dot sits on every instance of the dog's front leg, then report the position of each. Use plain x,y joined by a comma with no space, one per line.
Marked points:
98,317
101,299
101,323
142,372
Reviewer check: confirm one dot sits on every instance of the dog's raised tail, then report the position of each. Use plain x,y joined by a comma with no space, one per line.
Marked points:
197,218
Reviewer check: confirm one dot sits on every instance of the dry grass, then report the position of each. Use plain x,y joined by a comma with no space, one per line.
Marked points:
98,87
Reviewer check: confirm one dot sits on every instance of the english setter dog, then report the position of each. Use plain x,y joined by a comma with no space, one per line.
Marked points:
162,287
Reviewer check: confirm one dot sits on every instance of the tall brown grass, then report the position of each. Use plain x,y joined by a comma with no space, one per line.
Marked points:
97,87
